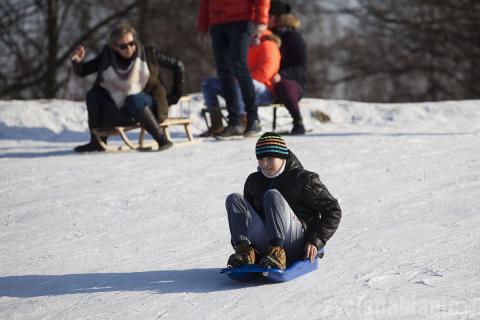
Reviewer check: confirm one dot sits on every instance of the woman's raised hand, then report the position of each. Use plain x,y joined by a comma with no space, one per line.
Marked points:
78,54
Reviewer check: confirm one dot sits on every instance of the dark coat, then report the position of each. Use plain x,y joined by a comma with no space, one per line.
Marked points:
309,199
154,87
293,65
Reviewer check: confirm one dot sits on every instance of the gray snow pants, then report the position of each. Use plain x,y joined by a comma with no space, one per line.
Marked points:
281,226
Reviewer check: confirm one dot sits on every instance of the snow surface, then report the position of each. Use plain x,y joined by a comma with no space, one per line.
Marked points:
143,235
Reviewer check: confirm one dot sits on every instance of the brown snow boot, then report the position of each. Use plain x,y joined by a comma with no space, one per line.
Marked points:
216,124
276,258
244,254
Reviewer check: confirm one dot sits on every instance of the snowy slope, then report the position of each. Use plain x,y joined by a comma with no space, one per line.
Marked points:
143,235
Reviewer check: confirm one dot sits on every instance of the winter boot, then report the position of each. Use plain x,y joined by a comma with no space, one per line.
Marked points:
232,131
243,120
216,126
92,146
244,254
149,122
298,127
275,258
217,123
253,128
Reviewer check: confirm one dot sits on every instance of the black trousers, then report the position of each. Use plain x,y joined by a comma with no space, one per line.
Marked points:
230,43
102,111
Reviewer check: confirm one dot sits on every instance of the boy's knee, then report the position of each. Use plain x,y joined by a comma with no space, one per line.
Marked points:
234,195
272,194
234,198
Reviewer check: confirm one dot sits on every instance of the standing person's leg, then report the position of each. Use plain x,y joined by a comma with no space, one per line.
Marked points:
290,93
285,231
247,230
240,35
221,46
212,88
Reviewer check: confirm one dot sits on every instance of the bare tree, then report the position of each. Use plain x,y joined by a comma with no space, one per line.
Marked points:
410,50
38,37
371,50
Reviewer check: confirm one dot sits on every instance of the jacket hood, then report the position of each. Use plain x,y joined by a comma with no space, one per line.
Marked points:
292,162
287,21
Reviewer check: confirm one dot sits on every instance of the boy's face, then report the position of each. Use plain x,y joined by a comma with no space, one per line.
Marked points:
270,165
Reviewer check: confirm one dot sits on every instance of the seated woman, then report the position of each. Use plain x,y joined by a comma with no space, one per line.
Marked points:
290,82
128,87
263,63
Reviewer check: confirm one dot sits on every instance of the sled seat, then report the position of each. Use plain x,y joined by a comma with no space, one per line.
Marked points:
273,106
100,133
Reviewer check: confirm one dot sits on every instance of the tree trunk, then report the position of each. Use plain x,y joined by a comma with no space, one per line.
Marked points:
52,48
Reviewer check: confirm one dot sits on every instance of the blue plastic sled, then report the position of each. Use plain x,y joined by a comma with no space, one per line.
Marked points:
253,272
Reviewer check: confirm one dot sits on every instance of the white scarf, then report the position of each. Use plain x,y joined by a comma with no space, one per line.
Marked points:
122,83
276,174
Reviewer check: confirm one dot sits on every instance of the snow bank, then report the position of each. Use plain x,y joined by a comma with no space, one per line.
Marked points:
61,119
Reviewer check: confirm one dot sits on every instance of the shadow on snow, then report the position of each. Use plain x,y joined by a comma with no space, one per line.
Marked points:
159,282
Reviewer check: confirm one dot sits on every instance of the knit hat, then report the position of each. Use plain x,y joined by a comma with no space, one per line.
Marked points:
272,145
277,8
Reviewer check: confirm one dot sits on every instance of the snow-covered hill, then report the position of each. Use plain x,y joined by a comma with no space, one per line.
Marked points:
143,235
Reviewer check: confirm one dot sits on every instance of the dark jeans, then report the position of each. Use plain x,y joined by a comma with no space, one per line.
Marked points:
212,88
289,92
230,43
102,111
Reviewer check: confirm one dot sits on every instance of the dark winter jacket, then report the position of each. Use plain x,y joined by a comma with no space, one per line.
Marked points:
309,199
293,65
155,86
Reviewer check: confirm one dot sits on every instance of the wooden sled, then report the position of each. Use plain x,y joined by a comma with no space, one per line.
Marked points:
141,145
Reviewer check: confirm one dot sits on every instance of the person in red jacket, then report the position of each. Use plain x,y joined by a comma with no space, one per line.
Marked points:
263,63
232,26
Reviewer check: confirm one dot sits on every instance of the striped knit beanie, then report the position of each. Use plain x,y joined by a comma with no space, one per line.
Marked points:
271,145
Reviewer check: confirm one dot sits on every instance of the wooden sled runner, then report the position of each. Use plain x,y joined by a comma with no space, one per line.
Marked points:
141,145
